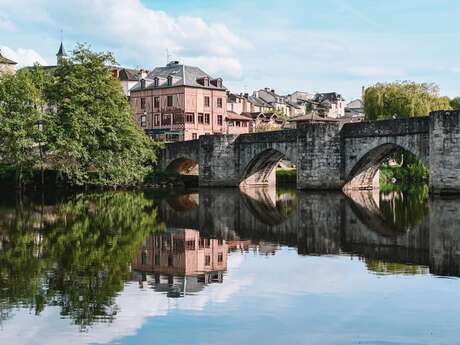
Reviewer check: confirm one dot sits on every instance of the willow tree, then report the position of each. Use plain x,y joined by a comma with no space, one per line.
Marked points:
402,99
94,138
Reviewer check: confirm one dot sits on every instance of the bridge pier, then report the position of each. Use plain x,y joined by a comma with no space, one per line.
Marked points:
444,162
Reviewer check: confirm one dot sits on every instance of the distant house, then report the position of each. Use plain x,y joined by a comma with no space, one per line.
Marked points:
128,77
7,65
276,101
330,104
180,102
243,103
264,121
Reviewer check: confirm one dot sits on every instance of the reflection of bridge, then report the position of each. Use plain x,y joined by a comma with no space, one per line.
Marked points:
327,156
321,224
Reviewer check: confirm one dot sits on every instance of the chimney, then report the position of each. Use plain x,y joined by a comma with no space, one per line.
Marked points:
363,91
246,95
273,90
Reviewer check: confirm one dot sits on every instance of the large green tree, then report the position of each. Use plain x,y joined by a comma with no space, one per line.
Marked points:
402,99
22,112
93,135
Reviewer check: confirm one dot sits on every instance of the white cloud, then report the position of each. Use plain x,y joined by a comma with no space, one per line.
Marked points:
142,34
24,57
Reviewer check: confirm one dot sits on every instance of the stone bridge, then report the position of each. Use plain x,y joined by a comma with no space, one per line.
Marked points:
327,156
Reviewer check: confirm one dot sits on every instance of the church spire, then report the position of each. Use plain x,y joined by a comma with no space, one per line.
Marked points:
61,54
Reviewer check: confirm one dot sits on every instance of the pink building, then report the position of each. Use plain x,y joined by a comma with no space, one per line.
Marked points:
179,102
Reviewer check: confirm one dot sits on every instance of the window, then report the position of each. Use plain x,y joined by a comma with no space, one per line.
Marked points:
143,121
156,120
156,82
206,101
220,258
142,103
200,118
170,80
238,124
207,119
144,258
190,245
170,260
178,119
244,123
143,84
170,101
220,242
156,102
194,136
157,260
207,260
219,120
219,103
166,120
190,118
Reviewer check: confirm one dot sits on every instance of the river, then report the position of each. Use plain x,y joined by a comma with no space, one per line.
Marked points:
210,266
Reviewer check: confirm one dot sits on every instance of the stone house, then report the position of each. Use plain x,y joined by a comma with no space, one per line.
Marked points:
330,104
264,121
276,101
7,65
180,102
243,103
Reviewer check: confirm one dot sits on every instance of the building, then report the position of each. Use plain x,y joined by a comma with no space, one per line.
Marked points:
330,104
7,65
243,103
276,101
180,102
312,117
128,77
264,121
180,261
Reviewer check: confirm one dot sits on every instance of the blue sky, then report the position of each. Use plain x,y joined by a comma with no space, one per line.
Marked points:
328,45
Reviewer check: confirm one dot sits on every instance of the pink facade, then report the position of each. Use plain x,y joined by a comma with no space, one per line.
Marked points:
182,253
181,109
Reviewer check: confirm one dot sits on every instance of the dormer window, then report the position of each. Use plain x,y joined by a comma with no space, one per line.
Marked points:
206,81
142,83
156,82
170,80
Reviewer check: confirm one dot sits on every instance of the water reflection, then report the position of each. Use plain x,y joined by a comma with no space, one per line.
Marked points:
81,253
390,232
75,254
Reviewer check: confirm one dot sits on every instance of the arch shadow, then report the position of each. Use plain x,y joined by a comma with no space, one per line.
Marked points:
183,166
261,170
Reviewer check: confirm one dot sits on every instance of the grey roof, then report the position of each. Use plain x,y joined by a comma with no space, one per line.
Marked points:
258,102
5,61
61,51
129,74
329,96
183,75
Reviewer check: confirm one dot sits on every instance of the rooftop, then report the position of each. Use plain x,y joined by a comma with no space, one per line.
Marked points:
5,61
180,75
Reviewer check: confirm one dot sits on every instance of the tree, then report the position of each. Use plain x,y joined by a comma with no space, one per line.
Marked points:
402,99
93,135
21,113
455,103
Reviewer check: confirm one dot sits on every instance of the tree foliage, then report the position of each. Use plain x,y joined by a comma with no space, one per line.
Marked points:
21,111
455,103
74,120
94,138
402,99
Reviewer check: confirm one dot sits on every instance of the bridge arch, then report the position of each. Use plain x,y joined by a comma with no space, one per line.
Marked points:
260,170
362,170
183,166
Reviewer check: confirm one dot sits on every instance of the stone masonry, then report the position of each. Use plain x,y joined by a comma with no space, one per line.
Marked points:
327,156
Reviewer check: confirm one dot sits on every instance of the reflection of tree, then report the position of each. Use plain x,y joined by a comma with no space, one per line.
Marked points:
405,209
78,258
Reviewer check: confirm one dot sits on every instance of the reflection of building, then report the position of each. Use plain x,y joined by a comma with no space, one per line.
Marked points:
181,261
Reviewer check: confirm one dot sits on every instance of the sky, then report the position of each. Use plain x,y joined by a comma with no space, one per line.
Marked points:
289,45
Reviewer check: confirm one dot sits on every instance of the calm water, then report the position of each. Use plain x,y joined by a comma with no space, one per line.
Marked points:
225,267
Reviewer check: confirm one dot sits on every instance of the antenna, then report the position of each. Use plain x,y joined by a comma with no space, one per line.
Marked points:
167,56
62,35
